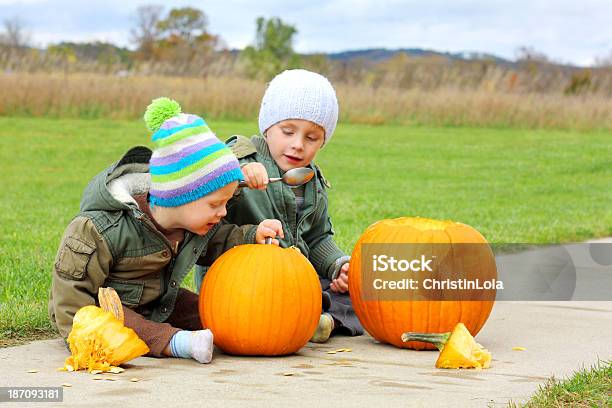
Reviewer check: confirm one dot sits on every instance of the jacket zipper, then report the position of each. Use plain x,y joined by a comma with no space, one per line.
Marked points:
142,218
301,220
156,232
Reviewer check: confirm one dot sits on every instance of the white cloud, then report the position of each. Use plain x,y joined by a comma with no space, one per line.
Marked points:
20,2
565,30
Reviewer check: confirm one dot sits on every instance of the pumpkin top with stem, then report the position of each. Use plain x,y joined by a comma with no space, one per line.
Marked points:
458,349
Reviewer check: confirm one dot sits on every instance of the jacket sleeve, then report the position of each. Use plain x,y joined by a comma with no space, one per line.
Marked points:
241,146
82,264
245,151
226,237
324,254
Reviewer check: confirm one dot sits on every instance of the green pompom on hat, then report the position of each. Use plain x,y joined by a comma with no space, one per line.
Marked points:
160,110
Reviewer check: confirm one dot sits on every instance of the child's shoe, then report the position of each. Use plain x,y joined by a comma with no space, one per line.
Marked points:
324,329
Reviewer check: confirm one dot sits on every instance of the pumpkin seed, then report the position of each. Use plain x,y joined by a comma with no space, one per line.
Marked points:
66,385
69,367
134,379
519,348
98,377
32,371
117,370
110,379
287,374
331,352
94,372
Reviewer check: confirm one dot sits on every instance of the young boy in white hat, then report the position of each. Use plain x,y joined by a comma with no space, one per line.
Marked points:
298,116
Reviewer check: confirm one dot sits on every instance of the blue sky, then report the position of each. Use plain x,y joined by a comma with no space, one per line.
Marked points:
576,31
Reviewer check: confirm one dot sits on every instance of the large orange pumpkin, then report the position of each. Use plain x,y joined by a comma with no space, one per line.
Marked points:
386,319
261,300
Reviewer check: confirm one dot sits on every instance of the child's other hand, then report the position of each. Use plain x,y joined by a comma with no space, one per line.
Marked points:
255,175
269,229
340,284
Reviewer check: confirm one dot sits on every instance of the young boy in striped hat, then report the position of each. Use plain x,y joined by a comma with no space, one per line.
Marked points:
143,223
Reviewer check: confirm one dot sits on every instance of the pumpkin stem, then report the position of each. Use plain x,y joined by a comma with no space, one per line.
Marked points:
437,339
109,300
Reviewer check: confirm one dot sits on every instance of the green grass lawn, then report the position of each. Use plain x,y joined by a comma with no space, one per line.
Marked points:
512,185
587,387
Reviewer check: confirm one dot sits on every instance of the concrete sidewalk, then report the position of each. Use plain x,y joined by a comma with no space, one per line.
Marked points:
559,337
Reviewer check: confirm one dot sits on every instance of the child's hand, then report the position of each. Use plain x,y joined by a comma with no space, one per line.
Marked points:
255,175
269,229
340,284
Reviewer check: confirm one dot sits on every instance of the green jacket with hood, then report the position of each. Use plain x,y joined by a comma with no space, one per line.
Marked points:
112,243
311,231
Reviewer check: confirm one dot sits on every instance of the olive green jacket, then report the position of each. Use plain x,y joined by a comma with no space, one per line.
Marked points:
311,232
112,243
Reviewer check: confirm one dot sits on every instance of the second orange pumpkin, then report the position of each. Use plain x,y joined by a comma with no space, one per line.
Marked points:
387,319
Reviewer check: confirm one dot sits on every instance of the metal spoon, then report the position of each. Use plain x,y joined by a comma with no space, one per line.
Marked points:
293,178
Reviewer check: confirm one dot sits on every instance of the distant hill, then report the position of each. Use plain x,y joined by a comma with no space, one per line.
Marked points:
383,54
102,51
372,56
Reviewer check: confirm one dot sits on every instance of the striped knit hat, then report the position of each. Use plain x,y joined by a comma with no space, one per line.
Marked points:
189,161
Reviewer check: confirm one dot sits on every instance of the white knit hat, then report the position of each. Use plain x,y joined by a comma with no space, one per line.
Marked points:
299,94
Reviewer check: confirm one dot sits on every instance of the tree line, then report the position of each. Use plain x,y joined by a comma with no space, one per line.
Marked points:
178,42
179,37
